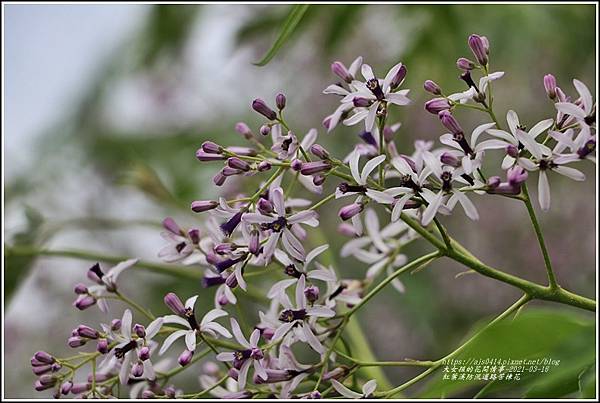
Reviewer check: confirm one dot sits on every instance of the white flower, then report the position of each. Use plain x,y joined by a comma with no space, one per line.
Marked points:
367,389
207,325
473,161
516,139
377,92
295,270
584,114
550,164
278,225
463,97
127,348
250,355
299,317
107,282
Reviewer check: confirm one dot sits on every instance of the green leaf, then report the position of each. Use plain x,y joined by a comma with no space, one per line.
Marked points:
288,28
534,333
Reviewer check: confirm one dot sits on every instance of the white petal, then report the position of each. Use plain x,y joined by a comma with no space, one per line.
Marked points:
153,328
308,217
390,76
344,391
237,333
544,191
490,145
570,173
370,119
227,356
398,99
278,201
570,109
530,144
353,162
355,65
513,121
432,209
190,340
356,118
586,96
126,324
175,319
367,72
149,370
541,127
260,370
380,197
369,167
335,89
369,387
292,245
478,130
312,339
503,135
171,339
321,312
468,206
243,374
254,338
314,253
300,297
191,302
279,287
282,331
212,315
124,371
216,327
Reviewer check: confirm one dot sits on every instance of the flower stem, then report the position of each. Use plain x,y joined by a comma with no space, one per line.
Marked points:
135,305
540,237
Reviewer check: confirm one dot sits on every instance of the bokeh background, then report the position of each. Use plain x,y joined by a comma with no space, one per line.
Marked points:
105,106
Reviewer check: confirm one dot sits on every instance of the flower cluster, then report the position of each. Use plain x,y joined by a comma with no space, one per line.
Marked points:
392,198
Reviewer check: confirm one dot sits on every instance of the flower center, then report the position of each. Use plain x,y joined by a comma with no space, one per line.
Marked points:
375,88
291,271
121,351
345,187
290,315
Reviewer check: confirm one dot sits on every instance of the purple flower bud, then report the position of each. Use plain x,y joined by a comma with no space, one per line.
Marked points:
237,163
148,394
398,78
327,122
78,388
170,225
44,357
516,175
42,370
224,248
115,324
222,300
319,179
296,164
56,367
494,181
261,107
209,281
561,96
185,357
194,235
84,301
212,258
210,147
311,168
512,150
199,206
219,179
65,388
506,189
432,87
254,243
319,151
203,156
39,386
102,346
479,48
264,166
486,44
231,281
137,369
47,380
449,159
361,102
587,148
243,129
341,71
225,264
311,293
230,226
264,206
265,130
87,332
229,171
550,85
465,64
76,341
436,105
280,101
80,289
315,394
139,330
368,138
169,392
174,303
450,122
350,210
274,375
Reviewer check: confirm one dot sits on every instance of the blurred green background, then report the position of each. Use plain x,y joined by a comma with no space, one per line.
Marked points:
119,156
